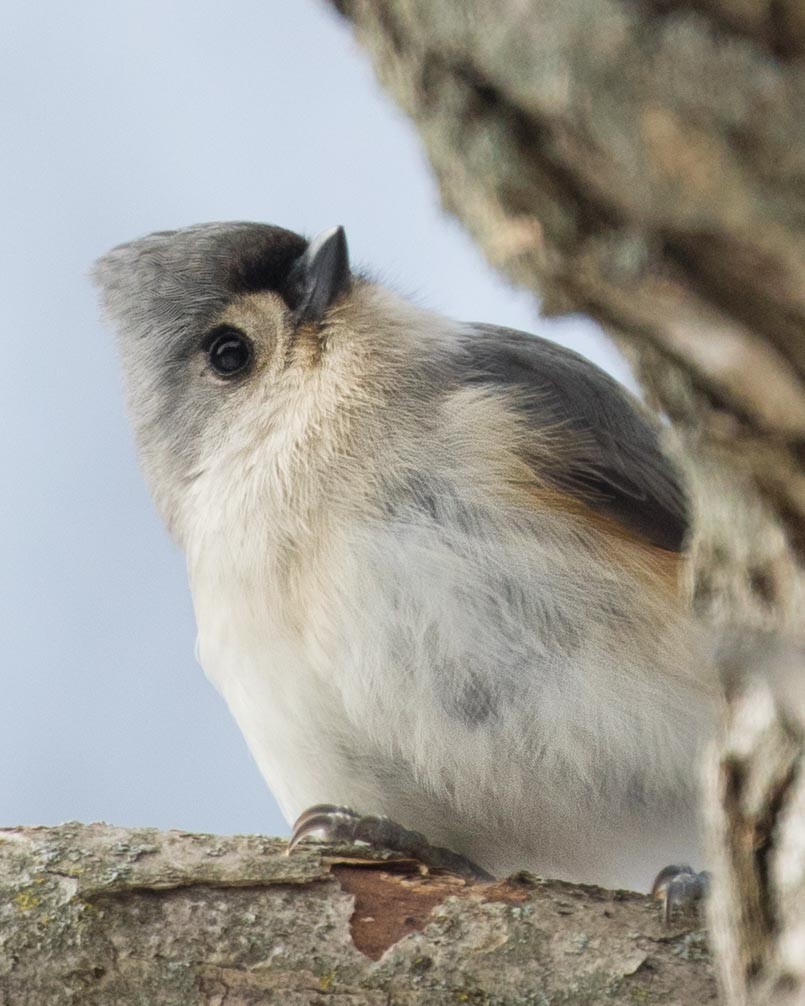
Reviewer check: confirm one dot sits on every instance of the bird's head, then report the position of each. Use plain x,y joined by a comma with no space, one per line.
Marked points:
217,323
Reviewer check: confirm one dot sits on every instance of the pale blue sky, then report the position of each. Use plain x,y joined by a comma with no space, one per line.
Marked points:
115,120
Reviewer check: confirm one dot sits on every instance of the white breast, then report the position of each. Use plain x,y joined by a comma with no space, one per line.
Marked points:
489,694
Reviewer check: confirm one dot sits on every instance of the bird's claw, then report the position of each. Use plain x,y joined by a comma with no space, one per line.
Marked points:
341,824
336,824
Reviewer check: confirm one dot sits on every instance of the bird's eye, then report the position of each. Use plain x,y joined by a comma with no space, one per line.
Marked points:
229,352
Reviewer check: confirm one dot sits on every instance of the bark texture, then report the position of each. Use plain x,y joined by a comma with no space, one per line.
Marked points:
755,800
99,916
643,162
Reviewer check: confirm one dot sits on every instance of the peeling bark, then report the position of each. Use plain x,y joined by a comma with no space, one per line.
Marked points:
102,916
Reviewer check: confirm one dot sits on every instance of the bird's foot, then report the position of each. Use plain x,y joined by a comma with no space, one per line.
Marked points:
679,887
340,824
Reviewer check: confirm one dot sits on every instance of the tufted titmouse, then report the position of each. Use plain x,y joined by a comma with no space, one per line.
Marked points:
435,565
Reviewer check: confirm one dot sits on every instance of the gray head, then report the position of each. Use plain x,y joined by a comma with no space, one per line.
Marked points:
195,339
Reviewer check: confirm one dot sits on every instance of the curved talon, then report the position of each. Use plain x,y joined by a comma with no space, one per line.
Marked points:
322,808
337,823
300,832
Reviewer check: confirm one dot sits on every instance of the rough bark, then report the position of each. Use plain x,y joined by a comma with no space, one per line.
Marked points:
643,162
99,916
755,801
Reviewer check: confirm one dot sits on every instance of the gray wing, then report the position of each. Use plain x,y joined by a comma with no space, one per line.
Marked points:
613,461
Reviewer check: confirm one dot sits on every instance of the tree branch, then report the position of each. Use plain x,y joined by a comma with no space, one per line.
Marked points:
106,916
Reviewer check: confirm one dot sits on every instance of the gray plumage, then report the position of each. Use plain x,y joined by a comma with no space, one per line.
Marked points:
434,564
612,458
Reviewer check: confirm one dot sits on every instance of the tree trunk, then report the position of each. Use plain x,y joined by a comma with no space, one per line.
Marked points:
100,916
643,162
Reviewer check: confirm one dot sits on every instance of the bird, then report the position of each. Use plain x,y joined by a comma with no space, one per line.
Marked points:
438,567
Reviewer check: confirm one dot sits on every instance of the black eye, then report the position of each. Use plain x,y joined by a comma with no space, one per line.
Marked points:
229,352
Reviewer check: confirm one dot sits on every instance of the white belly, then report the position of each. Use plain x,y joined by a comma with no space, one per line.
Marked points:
482,706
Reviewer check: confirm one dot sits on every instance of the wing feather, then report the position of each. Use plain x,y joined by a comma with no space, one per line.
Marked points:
611,457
